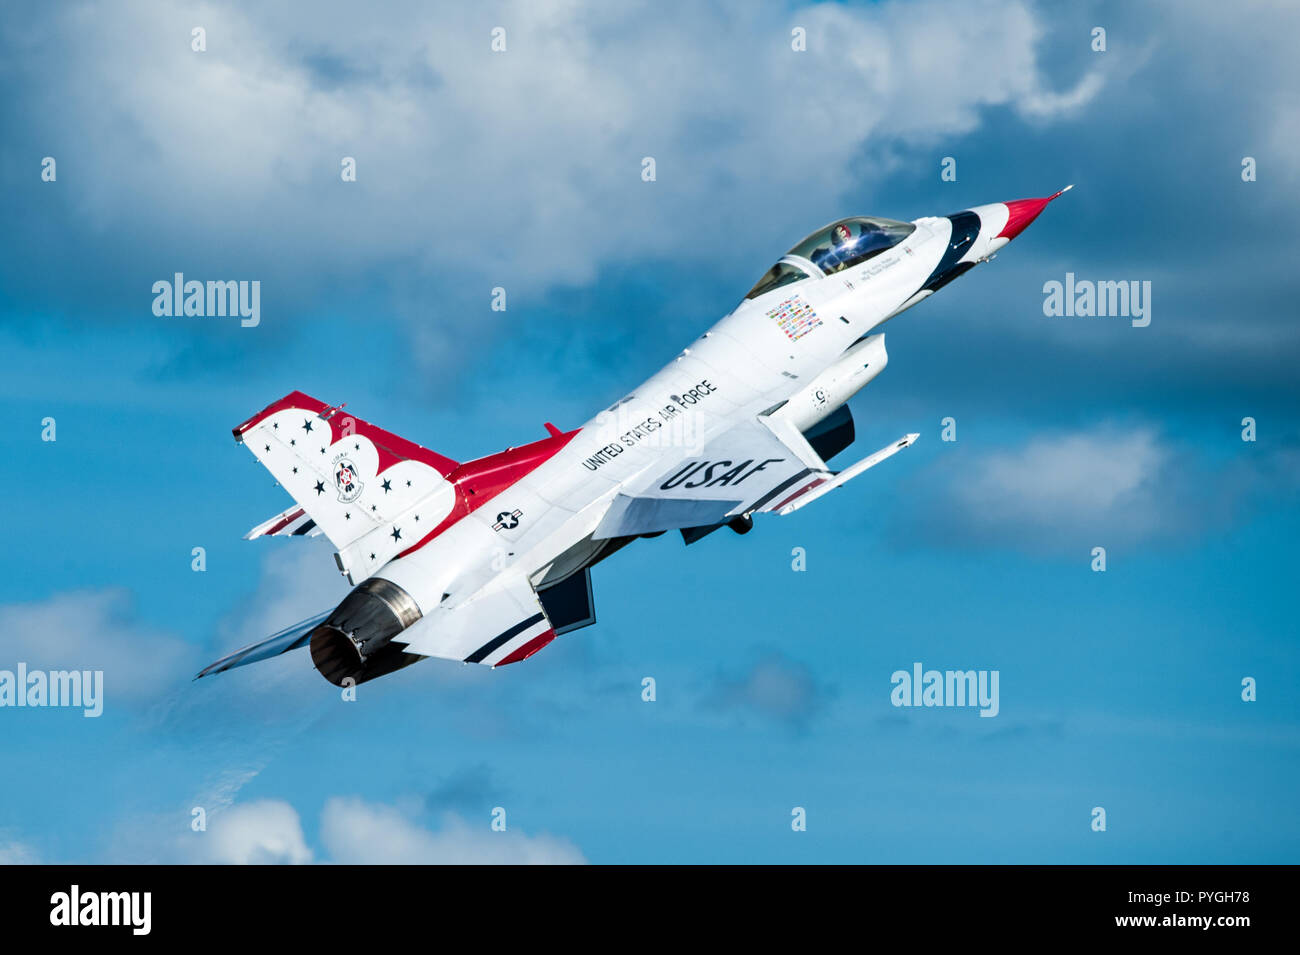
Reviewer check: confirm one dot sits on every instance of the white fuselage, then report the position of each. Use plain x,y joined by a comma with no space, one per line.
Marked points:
742,366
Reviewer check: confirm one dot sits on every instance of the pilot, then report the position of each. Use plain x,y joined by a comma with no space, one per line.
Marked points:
846,250
832,257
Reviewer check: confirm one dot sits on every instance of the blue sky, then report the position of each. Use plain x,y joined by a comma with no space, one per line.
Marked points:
522,170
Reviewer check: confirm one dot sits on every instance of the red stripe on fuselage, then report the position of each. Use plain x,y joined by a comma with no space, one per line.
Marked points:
478,481
529,648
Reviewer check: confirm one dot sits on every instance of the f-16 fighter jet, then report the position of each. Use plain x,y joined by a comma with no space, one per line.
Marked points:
489,560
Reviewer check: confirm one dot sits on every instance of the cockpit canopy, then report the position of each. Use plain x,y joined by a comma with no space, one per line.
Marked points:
838,246
783,273
844,244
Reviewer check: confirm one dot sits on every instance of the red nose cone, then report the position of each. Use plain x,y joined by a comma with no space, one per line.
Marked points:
1021,212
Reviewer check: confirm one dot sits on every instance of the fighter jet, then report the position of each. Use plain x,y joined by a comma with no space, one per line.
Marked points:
489,560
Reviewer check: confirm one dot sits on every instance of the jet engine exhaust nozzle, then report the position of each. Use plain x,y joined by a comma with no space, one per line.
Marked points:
355,642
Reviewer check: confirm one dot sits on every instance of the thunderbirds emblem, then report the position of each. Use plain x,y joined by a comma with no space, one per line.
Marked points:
347,480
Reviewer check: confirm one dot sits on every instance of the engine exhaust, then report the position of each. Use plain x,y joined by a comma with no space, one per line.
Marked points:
355,642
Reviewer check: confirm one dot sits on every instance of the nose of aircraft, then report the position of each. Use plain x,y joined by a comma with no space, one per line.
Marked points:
1021,212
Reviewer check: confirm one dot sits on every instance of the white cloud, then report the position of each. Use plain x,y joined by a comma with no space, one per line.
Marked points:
774,686
97,630
1072,478
1103,486
261,832
266,832
356,832
1044,104
1070,491
352,831
253,130
16,853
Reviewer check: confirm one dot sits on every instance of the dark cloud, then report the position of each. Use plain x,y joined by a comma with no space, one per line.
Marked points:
775,687
470,791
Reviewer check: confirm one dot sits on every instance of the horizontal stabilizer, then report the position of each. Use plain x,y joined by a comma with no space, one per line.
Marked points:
289,639
291,522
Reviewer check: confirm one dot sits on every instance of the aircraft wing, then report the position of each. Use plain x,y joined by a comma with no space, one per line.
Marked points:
502,623
760,465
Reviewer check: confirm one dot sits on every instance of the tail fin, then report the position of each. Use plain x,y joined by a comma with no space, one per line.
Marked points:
371,492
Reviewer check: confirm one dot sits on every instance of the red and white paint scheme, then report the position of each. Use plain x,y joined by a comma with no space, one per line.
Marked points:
489,560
